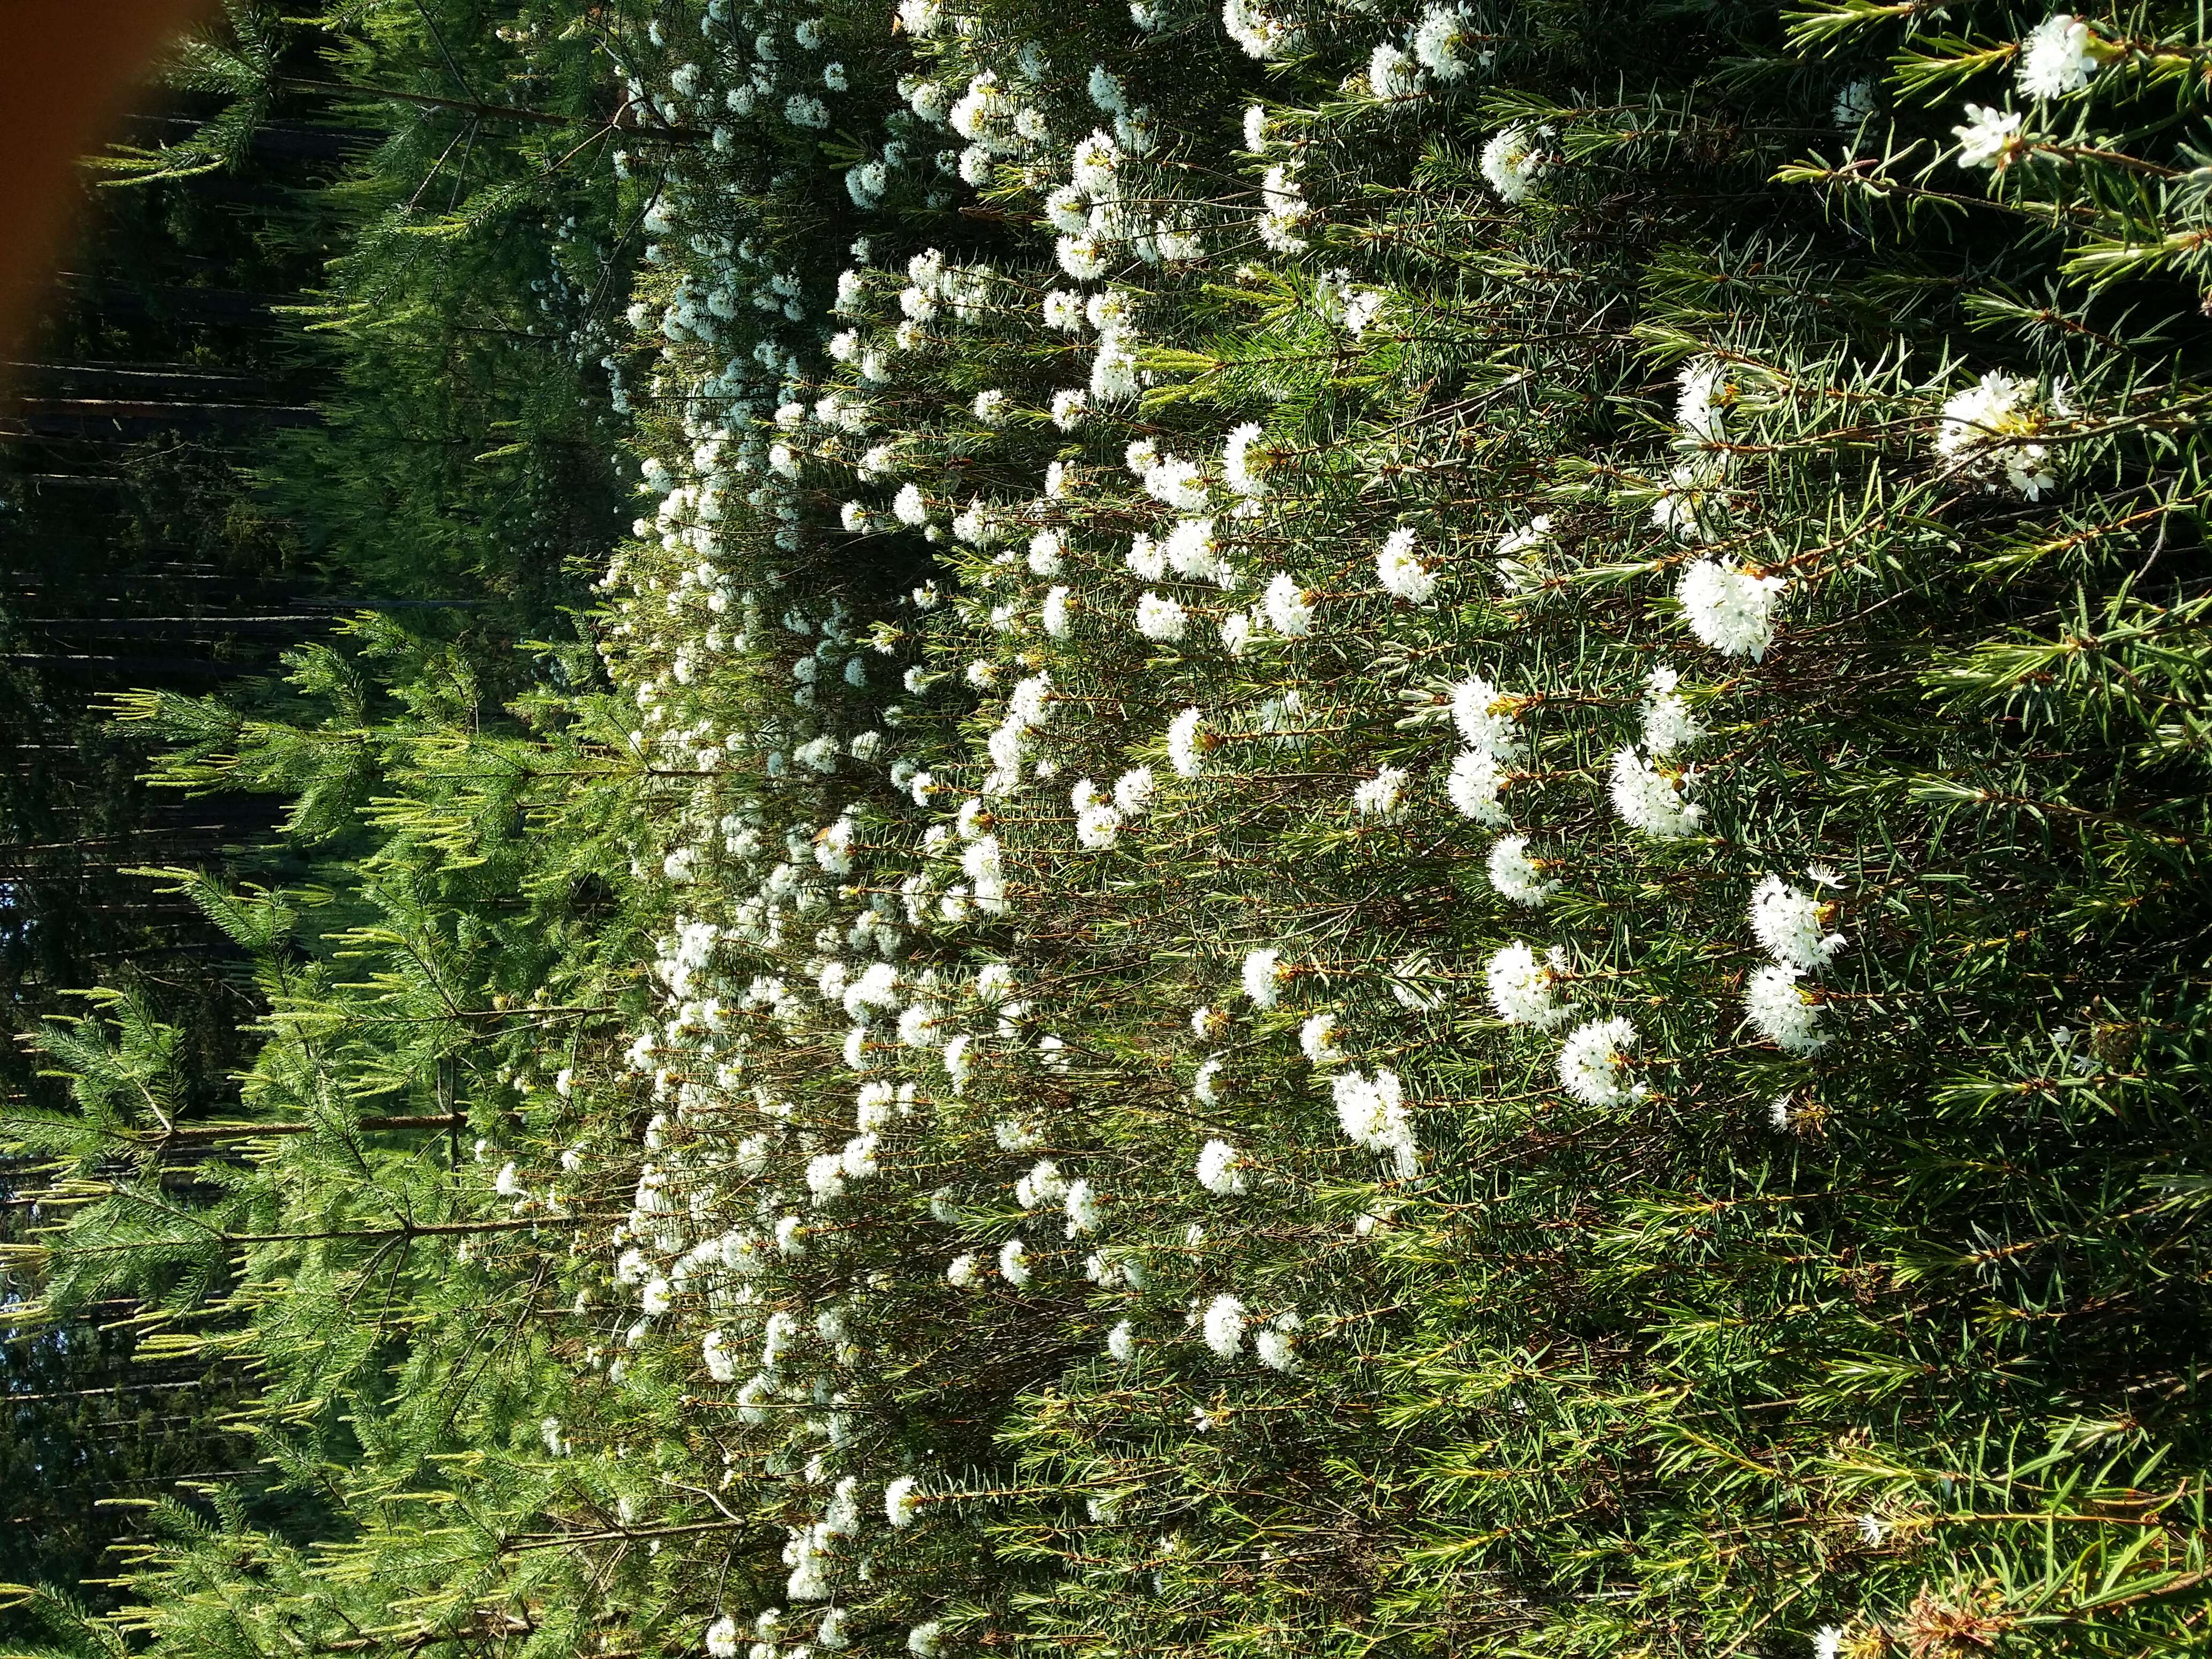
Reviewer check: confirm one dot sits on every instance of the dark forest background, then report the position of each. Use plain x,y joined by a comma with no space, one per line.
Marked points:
274,395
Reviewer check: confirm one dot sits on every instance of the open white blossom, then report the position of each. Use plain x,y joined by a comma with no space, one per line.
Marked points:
1728,608
1188,742
1290,608
1473,785
1224,1327
902,1501
1989,433
1520,985
1275,1345
1394,72
1402,571
1790,927
1668,725
1444,42
1371,1111
1014,1262
1264,976
1651,801
1990,137
1317,1041
1241,469
1489,721
1380,796
1083,1206
1511,161
1161,618
1221,1168
1516,875
2055,59
1783,1013
1595,1060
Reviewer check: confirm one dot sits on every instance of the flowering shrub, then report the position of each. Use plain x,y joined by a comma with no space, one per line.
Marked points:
1440,578
1421,788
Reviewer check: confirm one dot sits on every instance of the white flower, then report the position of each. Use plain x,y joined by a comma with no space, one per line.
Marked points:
1871,1530
1224,1327
901,1502
1692,506
1188,742
1014,1262
1382,795
1789,924
1828,1642
1472,786
1132,790
1393,72
1516,875
1160,617
1317,1039
1593,1063
1987,432
1488,720
830,1632
1238,469
991,407
1785,1015
1176,483
1290,608
1990,137
1081,257
1274,1346
1264,976
1520,985
1122,1343
1372,1114
1648,800
1220,1168
722,1637
1511,160
1083,1206
1190,548
1440,41
1702,396
1668,725
965,1273
1058,603
1401,570
1063,310
1259,31
2055,59
1729,609
721,1363
1069,406
1203,1086
1097,827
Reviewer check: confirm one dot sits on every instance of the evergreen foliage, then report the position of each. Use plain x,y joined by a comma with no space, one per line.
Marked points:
1388,838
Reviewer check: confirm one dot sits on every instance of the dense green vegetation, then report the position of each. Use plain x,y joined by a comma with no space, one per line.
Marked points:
1386,836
